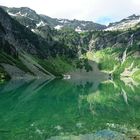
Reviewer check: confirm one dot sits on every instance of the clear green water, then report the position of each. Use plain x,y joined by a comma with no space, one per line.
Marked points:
41,110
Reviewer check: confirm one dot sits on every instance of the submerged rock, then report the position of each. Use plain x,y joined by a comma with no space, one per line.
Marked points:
109,135
100,135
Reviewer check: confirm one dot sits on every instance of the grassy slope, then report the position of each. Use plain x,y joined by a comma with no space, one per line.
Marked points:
136,75
108,60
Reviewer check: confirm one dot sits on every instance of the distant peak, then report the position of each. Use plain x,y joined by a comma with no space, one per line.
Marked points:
134,16
26,8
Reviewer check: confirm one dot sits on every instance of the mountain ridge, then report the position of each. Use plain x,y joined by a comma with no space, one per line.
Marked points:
125,24
78,25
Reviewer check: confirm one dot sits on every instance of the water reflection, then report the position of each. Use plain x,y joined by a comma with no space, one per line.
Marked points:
42,109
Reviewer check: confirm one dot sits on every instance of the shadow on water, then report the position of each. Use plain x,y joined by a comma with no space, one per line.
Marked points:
64,109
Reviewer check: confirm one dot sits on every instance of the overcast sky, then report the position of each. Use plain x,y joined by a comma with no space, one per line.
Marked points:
101,11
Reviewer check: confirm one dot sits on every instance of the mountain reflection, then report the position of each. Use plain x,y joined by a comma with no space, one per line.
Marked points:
40,109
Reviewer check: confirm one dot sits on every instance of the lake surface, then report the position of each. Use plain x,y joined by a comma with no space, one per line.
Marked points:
67,110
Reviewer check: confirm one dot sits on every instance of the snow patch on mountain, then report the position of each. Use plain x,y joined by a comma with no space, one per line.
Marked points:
78,29
64,21
41,23
11,14
58,27
83,24
33,30
17,14
30,18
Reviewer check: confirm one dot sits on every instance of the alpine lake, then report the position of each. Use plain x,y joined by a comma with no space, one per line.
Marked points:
88,108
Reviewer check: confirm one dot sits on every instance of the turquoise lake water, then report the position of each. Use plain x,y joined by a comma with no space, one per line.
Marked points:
63,109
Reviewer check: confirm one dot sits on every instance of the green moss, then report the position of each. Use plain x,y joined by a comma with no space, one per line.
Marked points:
107,63
107,59
136,75
127,64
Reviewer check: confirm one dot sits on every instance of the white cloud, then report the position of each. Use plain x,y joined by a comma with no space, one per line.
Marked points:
137,2
95,10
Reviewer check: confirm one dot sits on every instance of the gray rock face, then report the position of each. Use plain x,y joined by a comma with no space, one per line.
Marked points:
132,17
14,34
124,24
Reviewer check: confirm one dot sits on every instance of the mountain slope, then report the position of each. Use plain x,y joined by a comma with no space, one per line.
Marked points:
17,41
77,25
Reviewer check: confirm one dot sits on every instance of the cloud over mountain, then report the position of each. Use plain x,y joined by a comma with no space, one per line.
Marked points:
103,11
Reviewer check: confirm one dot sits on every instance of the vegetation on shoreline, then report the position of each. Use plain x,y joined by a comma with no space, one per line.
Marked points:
3,75
136,75
109,60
